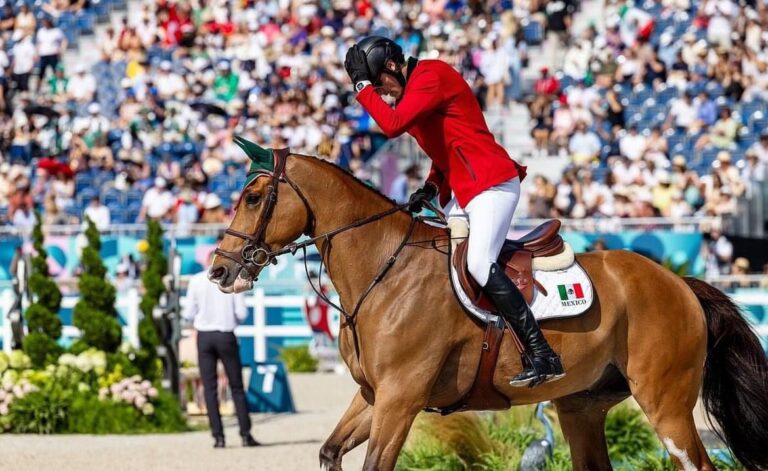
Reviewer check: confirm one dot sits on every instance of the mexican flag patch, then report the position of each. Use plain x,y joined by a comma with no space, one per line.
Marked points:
571,295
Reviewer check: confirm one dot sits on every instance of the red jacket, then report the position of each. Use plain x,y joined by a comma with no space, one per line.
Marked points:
440,111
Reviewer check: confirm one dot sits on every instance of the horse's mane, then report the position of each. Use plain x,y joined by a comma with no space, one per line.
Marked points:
347,173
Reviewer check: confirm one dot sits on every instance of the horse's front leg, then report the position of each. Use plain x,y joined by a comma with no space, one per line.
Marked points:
393,415
352,430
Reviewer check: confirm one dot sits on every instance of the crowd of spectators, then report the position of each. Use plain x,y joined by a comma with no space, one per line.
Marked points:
659,106
661,112
156,114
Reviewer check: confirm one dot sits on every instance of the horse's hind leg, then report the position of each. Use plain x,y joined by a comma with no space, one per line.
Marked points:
352,430
668,396
582,419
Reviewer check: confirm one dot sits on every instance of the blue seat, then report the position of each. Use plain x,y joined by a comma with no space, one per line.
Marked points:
533,33
112,198
133,197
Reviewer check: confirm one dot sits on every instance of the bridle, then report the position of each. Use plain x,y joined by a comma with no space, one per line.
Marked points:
256,253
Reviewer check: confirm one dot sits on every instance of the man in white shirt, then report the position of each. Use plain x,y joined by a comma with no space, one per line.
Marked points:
98,213
157,201
82,86
584,145
51,43
214,316
682,112
632,145
23,62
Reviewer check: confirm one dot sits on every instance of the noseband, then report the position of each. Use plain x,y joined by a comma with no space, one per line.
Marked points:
255,253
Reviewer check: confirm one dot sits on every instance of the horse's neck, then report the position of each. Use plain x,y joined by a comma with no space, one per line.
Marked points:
337,200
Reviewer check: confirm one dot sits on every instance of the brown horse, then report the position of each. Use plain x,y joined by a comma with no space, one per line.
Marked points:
649,333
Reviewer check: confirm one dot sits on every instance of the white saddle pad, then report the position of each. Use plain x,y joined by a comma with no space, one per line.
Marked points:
569,293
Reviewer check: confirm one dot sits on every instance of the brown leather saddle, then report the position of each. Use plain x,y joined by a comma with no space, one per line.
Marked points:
517,258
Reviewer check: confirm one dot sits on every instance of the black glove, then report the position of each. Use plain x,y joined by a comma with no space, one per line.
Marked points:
417,199
356,65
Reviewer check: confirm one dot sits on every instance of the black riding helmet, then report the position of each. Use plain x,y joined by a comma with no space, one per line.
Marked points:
378,50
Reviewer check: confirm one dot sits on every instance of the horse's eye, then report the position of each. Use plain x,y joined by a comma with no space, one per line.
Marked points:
252,199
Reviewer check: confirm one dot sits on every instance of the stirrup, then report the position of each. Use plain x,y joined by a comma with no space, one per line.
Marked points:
531,377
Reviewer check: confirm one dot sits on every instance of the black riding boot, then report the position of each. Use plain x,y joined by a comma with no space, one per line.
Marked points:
540,363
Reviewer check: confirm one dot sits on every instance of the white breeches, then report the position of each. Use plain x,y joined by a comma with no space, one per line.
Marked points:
490,216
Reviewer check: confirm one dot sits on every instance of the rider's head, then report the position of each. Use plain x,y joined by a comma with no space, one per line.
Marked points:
385,62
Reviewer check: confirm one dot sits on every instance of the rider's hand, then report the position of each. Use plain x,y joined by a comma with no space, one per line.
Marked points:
417,199
356,65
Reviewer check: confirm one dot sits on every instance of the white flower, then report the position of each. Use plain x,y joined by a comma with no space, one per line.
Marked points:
4,361
67,359
19,360
18,391
83,363
116,388
148,409
28,387
146,384
82,387
140,401
152,392
4,409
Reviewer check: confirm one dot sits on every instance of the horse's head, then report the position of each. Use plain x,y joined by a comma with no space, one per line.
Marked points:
271,214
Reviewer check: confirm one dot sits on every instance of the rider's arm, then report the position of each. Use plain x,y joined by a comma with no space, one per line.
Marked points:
423,97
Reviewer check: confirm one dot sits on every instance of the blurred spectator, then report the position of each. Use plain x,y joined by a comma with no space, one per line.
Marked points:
405,184
157,201
718,252
24,55
213,211
753,170
584,145
547,85
682,113
51,44
740,270
186,214
98,213
633,144
723,133
23,218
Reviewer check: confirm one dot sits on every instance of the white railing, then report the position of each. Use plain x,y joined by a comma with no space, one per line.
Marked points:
171,230
128,306
607,225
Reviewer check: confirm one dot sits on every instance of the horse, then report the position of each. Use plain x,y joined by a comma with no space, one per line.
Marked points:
409,344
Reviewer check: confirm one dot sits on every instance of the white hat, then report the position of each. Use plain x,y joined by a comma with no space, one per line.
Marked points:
166,65
212,201
160,182
94,108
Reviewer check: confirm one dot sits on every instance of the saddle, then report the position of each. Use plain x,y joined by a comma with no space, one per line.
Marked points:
516,258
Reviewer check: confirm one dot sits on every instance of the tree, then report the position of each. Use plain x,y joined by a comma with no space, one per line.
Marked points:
152,280
95,314
42,316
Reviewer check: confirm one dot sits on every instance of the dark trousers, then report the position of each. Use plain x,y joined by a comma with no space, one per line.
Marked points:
211,347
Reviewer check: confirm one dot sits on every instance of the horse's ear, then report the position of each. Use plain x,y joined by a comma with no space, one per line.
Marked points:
261,158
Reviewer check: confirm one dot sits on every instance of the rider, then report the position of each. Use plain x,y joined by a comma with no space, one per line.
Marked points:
434,104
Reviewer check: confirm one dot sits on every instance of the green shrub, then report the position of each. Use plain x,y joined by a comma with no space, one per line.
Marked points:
152,280
42,316
298,360
41,412
41,348
95,314
628,433
89,414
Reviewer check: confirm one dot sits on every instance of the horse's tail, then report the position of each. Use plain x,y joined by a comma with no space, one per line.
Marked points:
735,377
